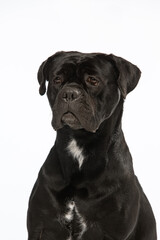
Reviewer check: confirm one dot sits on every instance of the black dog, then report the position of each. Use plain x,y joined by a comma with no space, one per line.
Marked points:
86,188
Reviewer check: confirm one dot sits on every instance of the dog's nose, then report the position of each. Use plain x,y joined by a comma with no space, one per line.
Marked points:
71,94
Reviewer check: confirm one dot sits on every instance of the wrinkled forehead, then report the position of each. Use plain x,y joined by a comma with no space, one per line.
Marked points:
80,63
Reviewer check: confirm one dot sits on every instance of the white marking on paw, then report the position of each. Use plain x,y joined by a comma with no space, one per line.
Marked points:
76,152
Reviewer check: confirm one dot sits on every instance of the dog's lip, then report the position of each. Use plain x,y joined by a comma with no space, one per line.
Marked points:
69,118
68,114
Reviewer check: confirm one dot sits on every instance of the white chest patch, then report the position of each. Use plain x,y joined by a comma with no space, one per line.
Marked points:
76,152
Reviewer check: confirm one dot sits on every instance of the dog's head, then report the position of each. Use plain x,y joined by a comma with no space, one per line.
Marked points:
85,89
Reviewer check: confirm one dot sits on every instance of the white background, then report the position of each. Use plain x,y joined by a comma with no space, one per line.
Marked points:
32,30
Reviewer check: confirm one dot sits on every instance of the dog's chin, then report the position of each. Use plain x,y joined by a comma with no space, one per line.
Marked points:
71,120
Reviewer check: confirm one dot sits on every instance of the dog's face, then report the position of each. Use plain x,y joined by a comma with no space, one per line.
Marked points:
84,89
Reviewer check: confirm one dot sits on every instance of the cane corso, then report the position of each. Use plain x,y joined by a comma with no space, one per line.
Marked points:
86,188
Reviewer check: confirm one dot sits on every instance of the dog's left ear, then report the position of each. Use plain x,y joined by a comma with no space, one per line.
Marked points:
129,74
43,75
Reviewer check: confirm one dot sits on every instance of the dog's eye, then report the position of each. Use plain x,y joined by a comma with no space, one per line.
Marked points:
93,81
58,80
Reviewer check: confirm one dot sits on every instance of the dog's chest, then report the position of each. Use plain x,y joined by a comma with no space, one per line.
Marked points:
74,220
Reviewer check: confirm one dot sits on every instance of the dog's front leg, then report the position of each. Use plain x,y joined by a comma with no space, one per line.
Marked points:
44,215
35,235
57,232
46,227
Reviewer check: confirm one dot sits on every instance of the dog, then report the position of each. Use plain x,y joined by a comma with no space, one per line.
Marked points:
86,188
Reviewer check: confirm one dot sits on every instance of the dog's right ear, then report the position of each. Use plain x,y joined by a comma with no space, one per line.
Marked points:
43,72
43,75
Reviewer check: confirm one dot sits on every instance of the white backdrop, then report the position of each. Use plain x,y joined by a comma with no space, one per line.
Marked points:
32,30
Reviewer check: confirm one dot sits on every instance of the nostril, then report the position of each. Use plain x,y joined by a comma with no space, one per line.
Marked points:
73,96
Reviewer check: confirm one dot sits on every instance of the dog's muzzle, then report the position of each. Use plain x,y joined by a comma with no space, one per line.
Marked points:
70,95
73,108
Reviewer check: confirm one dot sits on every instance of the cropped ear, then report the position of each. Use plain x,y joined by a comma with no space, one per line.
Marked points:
129,74
43,75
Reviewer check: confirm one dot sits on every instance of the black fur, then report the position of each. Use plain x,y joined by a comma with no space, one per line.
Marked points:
86,94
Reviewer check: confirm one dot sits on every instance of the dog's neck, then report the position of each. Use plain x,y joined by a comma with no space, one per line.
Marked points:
77,150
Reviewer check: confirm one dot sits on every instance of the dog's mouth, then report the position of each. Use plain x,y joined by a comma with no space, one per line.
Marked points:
71,120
